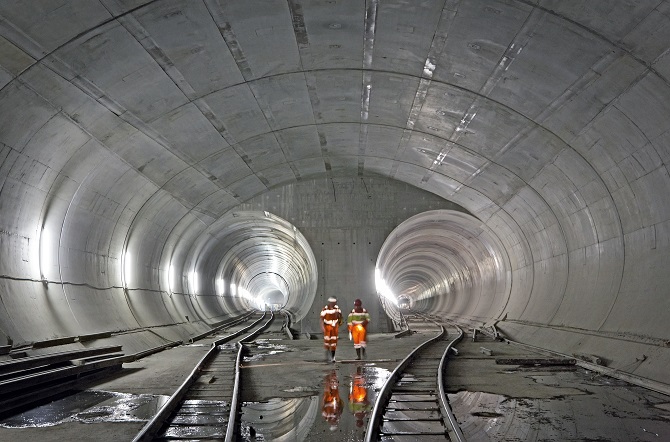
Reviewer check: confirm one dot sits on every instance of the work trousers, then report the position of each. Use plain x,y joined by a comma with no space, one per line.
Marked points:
358,334
330,337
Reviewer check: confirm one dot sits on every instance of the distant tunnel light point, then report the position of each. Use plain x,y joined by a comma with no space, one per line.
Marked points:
383,289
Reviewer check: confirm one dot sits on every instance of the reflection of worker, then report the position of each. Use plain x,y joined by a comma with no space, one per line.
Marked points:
331,410
359,404
331,319
358,324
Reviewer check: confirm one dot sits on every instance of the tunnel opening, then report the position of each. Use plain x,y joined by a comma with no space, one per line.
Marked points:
255,260
444,262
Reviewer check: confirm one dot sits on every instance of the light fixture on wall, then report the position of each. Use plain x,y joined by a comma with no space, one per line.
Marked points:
220,286
193,282
171,279
383,289
126,274
44,251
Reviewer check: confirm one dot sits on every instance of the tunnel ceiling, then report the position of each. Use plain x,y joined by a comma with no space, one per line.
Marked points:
128,127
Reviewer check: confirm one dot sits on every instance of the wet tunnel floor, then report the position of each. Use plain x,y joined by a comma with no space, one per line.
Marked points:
512,402
280,378
290,393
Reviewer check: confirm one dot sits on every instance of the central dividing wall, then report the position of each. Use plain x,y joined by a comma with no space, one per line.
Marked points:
346,221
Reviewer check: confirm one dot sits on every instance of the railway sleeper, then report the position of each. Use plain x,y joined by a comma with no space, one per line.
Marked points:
417,428
413,406
397,415
413,397
424,438
194,432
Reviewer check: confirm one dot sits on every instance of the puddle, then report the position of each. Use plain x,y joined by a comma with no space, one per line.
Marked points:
89,406
264,348
254,358
615,415
341,409
279,419
487,409
298,389
375,377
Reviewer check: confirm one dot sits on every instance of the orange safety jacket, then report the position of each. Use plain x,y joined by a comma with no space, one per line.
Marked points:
332,319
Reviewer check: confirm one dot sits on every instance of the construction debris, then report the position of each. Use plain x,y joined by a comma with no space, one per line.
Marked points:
535,361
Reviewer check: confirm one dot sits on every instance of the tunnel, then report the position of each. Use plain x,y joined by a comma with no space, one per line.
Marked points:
166,165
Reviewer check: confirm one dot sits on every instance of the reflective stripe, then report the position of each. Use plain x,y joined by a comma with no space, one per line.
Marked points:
356,318
331,316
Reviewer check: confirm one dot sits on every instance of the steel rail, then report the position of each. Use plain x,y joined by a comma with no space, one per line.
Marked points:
444,402
286,326
149,431
234,403
591,366
407,330
226,324
385,393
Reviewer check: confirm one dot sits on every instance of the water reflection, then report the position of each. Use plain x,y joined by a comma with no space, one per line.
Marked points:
359,404
265,348
296,419
332,404
89,406
278,419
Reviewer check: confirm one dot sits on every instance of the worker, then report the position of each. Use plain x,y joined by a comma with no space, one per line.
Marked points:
358,321
331,320
332,405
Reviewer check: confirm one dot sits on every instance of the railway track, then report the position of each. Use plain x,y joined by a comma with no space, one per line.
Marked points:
412,404
206,405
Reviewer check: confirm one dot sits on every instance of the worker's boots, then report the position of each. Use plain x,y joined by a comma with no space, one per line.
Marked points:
329,358
358,354
332,356
363,351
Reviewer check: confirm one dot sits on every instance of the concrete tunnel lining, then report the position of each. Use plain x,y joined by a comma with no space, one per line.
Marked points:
446,261
127,131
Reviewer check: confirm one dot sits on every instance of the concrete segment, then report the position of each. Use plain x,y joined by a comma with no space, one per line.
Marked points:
130,133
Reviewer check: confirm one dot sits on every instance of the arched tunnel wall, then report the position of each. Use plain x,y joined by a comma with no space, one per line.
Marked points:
128,270
127,129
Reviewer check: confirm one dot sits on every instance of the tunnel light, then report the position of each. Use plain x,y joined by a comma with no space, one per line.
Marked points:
233,289
170,278
193,281
256,301
127,268
44,251
383,289
220,286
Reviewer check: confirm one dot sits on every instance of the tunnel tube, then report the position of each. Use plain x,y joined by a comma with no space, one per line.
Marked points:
444,262
252,260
